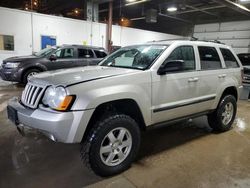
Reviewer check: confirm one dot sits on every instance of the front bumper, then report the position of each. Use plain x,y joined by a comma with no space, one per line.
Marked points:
66,127
10,75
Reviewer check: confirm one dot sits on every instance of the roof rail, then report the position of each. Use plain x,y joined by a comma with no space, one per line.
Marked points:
183,38
216,41
213,41
189,39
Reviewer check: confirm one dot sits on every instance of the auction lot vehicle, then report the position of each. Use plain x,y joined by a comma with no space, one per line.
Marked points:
245,61
20,69
106,107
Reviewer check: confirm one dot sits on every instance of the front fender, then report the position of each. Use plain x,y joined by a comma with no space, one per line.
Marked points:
36,65
95,97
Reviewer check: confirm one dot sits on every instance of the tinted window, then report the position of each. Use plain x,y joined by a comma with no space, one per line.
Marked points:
245,59
209,58
229,58
85,53
100,54
184,53
7,42
65,53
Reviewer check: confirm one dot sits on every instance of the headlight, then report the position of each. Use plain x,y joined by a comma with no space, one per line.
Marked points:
57,98
10,65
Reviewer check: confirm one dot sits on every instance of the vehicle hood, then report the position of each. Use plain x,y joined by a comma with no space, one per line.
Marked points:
67,77
20,58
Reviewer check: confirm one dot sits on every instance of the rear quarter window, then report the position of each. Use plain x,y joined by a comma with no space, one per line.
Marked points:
229,58
100,54
209,58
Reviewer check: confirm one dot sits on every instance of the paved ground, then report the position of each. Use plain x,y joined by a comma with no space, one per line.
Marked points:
183,155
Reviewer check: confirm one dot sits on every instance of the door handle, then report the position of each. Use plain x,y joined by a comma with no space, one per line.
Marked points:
193,79
222,75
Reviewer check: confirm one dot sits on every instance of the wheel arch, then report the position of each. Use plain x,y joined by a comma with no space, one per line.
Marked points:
231,90
126,106
40,68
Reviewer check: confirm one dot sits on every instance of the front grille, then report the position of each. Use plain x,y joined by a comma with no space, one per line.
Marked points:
32,95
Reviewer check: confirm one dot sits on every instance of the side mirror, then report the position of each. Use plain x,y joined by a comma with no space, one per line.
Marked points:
52,57
171,66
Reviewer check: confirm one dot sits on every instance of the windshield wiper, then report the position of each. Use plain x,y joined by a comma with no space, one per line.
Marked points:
120,66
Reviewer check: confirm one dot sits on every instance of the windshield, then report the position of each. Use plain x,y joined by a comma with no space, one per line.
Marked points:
134,57
45,52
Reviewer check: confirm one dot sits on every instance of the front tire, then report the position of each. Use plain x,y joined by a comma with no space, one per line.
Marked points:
28,74
223,117
111,145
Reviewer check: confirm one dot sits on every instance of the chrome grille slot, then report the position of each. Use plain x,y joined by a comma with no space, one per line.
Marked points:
32,95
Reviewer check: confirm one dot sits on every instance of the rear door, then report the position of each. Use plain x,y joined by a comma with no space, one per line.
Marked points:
85,56
212,75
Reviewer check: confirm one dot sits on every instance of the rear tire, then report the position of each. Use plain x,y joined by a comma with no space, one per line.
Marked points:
28,74
111,145
223,117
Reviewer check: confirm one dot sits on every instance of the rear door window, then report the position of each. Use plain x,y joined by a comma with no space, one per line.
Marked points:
209,58
85,53
229,58
100,54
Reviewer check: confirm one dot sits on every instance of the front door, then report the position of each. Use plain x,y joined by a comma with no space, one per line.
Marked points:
176,94
65,59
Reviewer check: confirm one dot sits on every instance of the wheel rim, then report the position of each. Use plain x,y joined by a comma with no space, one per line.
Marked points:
227,114
116,146
31,74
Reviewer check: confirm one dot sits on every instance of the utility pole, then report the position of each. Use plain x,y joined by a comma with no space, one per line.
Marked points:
109,28
31,5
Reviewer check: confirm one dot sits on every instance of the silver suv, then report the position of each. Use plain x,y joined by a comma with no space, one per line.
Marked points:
106,107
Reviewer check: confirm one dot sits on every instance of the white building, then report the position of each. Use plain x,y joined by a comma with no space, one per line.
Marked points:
27,29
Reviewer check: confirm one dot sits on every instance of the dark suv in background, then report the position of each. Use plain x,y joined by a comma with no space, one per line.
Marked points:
19,69
245,61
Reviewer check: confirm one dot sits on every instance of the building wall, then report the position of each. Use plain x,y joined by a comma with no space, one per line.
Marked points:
235,34
27,29
16,23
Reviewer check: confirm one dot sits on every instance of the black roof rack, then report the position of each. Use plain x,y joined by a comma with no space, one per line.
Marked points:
216,41
183,38
190,39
